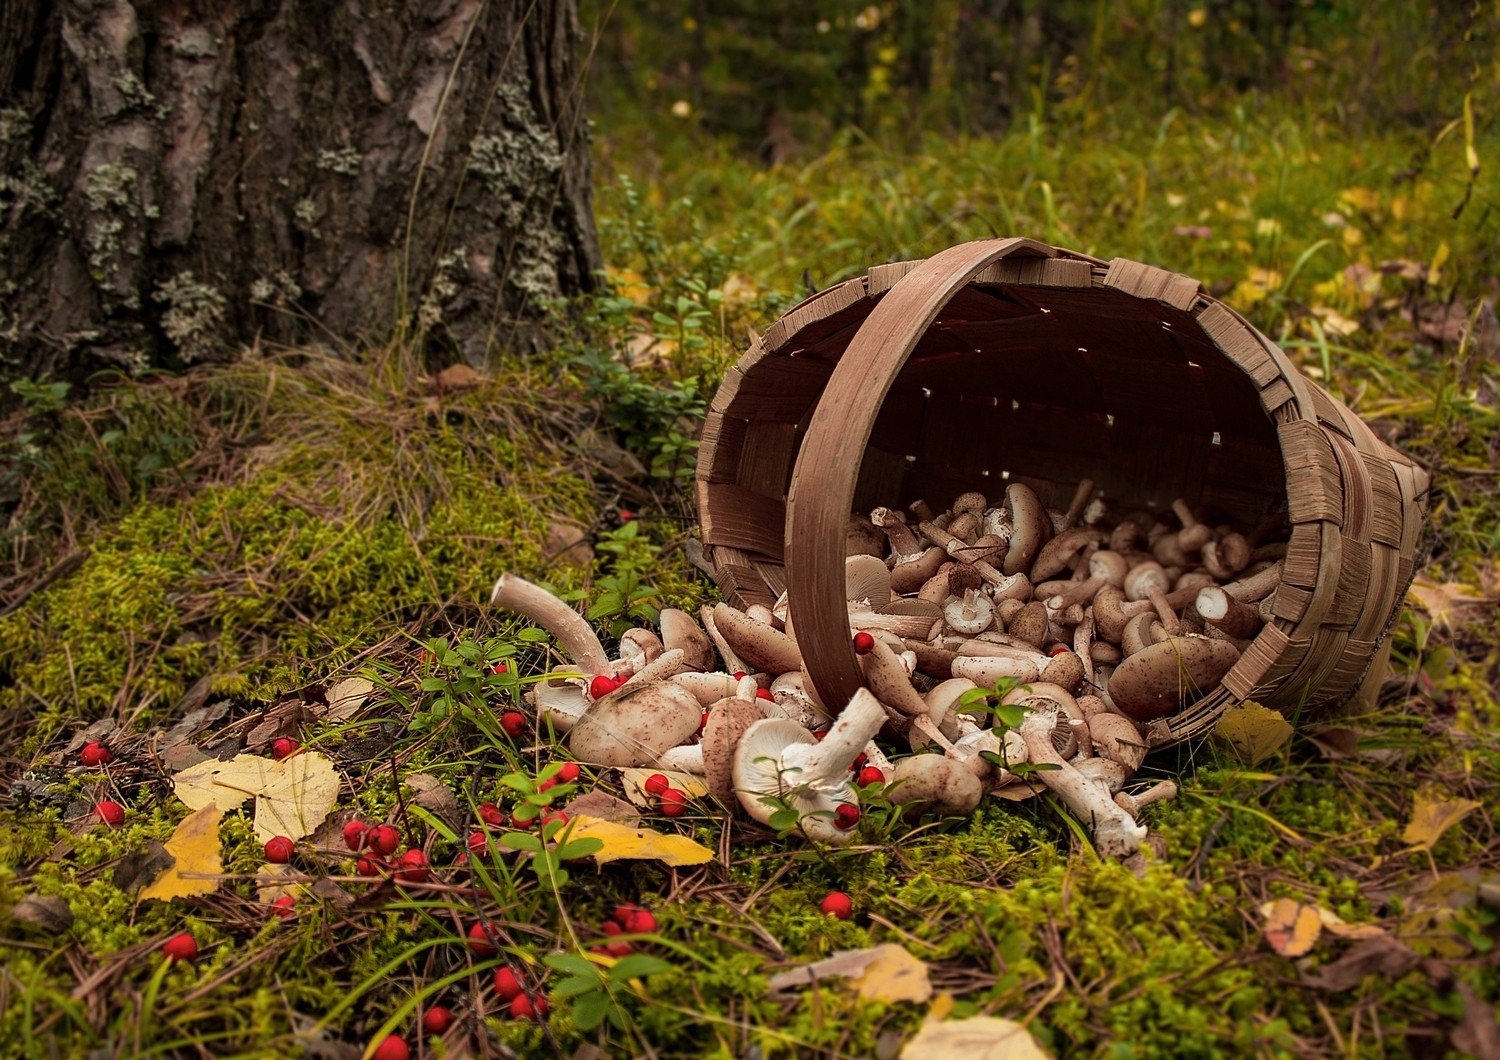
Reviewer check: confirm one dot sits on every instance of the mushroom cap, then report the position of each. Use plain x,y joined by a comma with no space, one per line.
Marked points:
633,727
678,630
1144,577
1030,624
1065,669
1053,699
1054,556
867,578
1111,773
727,723
708,688
987,669
972,613
560,698
1116,738
639,647
759,645
887,680
789,697
1160,679
929,783
1033,527
909,573
762,780
864,538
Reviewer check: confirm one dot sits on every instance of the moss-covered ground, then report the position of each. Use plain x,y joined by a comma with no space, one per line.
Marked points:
232,540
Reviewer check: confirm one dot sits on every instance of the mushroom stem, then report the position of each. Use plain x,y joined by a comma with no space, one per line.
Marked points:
574,634
1081,497
1257,586
923,724
1115,832
849,735
903,541
688,758
732,662
1134,804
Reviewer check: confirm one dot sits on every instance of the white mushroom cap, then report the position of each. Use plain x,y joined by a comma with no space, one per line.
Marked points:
762,646
867,579
639,647
790,699
633,727
561,699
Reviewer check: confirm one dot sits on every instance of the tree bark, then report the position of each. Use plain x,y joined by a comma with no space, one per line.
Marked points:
180,177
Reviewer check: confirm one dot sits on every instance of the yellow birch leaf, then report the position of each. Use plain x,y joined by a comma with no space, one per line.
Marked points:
1432,814
292,796
635,785
621,842
977,1038
194,847
1341,928
1291,927
1253,730
894,975
1449,603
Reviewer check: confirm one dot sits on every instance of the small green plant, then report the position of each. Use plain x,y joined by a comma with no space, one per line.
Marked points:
1006,717
593,987
465,677
621,596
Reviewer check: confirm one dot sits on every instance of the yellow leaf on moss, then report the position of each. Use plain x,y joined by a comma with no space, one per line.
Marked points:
292,797
1448,603
978,1038
1253,730
1433,812
194,847
622,843
634,782
1291,927
894,975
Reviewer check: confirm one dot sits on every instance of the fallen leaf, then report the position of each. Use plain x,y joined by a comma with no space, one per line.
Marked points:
1432,814
99,730
457,377
976,1038
271,881
1383,956
567,542
1253,731
894,975
291,796
1291,927
1340,928
1428,924
436,798
1334,742
346,697
141,867
1448,603
1017,792
634,783
194,847
843,963
603,805
622,842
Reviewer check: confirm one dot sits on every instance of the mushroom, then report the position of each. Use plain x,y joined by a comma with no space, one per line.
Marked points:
912,570
1079,504
930,783
732,662
988,669
864,538
639,647
1045,698
1134,804
779,762
1115,832
1224,612
887,679
902,539
1030,624
942,706
1056,554
560,698
1033,526
998,524
1257,586
575,635
973,613
1105,568
634,726
1116,738
971,501
728,721
1193,535
1160,679
1227,556
761,646
1065,669
790,698
867,581
707,688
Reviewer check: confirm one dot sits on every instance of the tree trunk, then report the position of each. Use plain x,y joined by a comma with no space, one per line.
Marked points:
179,178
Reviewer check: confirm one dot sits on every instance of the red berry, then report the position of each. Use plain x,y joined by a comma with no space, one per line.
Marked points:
506,984
110,812
863,643
738,675
555,816
368,867
547,785
673,802
282,907
383,839
481,939
641,922
355,834
460,861
602,685
517,821
859,762
619,949
524,1008
613,927
623,912
492,815
437,1019
1058,649
95,753
180,947
284,747
413,866
703,721
764,693
568,773
837,904
393,1048
477,841
513,722
870,775
279,849
846,816
656,783
498,668
626,515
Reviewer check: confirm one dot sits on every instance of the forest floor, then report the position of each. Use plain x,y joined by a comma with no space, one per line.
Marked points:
202,563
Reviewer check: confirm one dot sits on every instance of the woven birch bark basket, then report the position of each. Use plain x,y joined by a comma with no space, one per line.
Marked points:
1010,360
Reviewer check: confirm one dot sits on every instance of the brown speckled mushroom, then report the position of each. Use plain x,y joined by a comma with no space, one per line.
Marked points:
1030,624
1227,556
779,762
762,647
903,540
864,538
1115,832
887,680
577,638
1045,698
1065,669
732,662
1224,612
1105,568
912,570
678,630
1193,535
931,783
1164,677
1116,738
639,647
987,669
633,727
1056,555
1033,528
790,698
728,721
707,688
867,581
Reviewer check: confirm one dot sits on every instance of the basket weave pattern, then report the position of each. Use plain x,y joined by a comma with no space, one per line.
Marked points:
1009,359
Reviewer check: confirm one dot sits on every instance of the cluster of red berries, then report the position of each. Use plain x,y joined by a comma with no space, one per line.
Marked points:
627,919
379,842
671,801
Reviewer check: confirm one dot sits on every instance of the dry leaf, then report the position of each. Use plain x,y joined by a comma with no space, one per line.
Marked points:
634,783
1291,927
1017,792
1432,814
622,842
1340,928
1448,603
978,1038
271,882
346,697
457,377
603,805
291,796
194,847
436,798
1478,1035
846,963
894,975
142,866
1382,956
1253,730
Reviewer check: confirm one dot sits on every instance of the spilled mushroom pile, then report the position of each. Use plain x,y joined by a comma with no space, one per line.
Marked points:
1095,622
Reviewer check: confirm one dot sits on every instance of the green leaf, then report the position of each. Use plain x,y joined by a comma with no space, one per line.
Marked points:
575,985
1011,715
532,635
580,848
637,965
521,841
590,1009
572,964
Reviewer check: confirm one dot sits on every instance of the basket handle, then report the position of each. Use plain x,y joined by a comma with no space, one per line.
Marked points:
821,494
